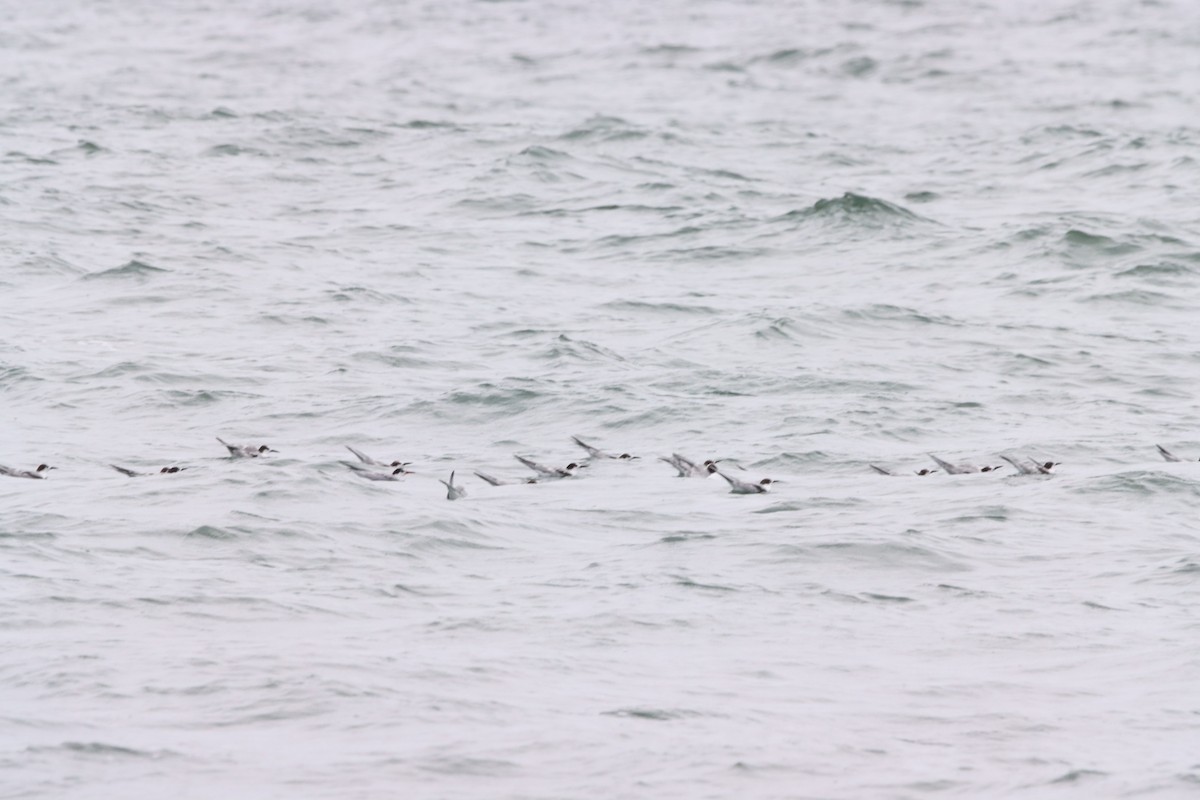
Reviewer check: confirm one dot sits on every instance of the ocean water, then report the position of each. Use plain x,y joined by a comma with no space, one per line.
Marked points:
800,237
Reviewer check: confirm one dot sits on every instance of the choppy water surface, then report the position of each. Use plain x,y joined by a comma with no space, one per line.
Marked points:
804,237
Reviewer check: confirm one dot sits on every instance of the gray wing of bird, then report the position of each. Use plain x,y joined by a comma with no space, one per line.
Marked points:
880,470
737,486
674,462
594,452
1167,454
951,469
538,468
453,492
483,476
1022,469
363,457
125,471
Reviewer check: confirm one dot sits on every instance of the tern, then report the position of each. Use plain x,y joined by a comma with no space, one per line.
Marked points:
134,474
1031,466
550,472
883,471
483,476
453,492
36,474
245,450
688,468
961,469
371,475
596,452
366,459
742,487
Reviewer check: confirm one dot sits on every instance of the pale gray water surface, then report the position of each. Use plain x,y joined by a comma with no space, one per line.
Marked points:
805,236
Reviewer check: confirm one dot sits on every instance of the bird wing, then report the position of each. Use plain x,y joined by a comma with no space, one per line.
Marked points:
594,452
1167,454
363,457
1021,468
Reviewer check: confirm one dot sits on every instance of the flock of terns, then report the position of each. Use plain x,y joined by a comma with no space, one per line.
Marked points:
372,469
1030,466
